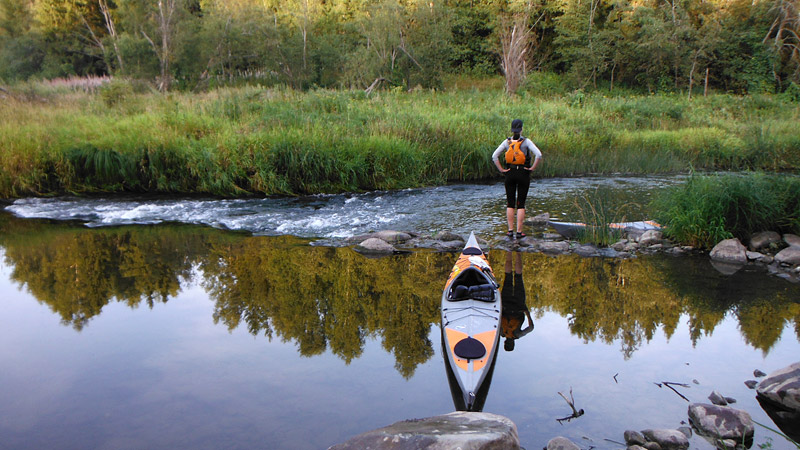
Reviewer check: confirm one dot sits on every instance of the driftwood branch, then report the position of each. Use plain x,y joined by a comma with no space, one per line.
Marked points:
669,384
571,402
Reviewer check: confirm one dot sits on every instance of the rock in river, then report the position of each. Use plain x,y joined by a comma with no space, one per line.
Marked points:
465,430
721,422
375,246
729,251
667,439
789,255
561,443
764,239
783,387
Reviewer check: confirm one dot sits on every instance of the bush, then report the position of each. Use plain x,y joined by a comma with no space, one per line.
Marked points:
708,209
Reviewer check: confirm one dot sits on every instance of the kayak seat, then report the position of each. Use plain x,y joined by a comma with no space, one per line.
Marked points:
472,251
471,284
469,348
482,292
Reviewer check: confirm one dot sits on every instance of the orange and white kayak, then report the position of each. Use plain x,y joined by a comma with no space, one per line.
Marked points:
471,311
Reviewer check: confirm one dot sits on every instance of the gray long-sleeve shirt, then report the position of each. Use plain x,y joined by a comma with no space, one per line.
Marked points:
526,144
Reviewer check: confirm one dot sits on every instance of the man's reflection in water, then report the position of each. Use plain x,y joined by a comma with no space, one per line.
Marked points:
514,308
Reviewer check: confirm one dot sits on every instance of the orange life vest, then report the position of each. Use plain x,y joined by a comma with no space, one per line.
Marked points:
514,154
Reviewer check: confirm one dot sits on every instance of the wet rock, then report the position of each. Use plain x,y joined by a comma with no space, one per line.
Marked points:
667,439
783,387
721,422
375,246
759,374
763,240
633,437
466,430
652,446
650,237
552,236
529,242
751,384
754,256
717,399
631,247
791,239
539,219
608,253
786,420
561,443
448,245
687,431
789,255
730,400
392,237
619,245
635,447
767,259
447,236
586,250
554,247
729,251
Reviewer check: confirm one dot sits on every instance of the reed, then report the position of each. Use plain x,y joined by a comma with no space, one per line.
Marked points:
255,141
597,209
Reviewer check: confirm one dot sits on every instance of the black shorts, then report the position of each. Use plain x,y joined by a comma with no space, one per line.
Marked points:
518,180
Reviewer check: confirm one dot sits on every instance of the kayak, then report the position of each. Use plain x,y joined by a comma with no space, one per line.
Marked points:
571,229
471,310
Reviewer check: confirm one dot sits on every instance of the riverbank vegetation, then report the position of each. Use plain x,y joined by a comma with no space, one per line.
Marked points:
121,137
708,209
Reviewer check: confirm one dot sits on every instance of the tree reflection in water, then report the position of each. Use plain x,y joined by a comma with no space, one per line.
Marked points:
333,298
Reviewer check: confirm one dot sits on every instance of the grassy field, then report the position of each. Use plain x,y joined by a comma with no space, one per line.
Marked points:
254,141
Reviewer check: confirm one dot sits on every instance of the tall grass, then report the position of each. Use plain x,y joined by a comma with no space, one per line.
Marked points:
710,208
597,209
242,141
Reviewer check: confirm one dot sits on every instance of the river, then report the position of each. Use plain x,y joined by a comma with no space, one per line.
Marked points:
205,323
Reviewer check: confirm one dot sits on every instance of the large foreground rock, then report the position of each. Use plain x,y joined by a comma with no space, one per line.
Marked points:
783,387
561,443
464,430
650,237
721,422
729,251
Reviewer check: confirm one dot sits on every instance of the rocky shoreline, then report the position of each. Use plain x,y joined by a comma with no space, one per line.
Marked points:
778,254
719,423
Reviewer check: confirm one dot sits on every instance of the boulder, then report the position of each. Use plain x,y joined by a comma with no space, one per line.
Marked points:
721,422
465,430
446,236
619,245
729,251
554,247
392,237
375,246
650,237
561,443
763,240
792,239
782,387
789,255
718,399
667,439
633,437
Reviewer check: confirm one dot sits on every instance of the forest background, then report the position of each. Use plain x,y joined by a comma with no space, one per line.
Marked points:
734,46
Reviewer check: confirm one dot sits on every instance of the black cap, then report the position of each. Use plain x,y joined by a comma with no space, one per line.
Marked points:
516,126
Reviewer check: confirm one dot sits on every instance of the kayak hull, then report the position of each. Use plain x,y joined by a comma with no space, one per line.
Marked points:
471,311
571,229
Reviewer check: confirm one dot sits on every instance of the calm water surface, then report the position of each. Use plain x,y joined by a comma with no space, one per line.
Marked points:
185,336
